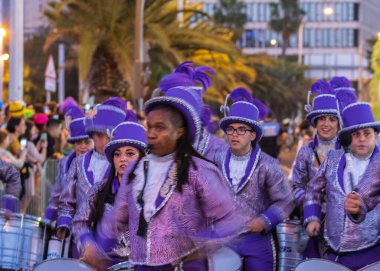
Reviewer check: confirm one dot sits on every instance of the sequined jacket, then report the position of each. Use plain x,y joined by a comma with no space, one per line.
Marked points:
79,181
265,193
340,232
64,164
10,177
208,145
181,220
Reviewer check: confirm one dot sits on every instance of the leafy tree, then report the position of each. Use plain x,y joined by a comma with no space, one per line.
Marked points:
286,17
375,84
231,15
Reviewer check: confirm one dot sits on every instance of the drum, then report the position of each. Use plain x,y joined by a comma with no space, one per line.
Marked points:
371,267
320,264
225,259
63,265
126,266
58,248
289,235
23,241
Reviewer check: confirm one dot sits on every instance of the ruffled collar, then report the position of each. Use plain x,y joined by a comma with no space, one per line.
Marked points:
241,158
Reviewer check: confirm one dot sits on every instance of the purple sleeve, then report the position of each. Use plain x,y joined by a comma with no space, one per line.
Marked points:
280,195
52,209
67,200
314,197
11,179
301,175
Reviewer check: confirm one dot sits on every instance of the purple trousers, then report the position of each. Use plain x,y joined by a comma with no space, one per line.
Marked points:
357,259
194,265
257,250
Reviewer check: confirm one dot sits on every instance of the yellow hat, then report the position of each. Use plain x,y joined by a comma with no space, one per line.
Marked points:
16,109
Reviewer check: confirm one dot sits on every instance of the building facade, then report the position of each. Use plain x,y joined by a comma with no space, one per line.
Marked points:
333,44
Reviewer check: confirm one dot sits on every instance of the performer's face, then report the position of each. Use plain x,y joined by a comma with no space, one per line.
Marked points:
240,139
162,132
123,156
82,146
327,127
363,142
100,141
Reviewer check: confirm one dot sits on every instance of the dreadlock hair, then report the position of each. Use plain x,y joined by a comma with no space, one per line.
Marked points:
105,193
184,150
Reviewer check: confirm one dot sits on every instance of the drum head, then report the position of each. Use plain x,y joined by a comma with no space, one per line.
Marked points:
371,267
63,265
225,259
121,267
319,265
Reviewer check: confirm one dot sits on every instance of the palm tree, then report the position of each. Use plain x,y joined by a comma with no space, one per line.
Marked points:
286,18
102,32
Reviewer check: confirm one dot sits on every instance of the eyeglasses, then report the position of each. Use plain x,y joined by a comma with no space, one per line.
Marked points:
239,131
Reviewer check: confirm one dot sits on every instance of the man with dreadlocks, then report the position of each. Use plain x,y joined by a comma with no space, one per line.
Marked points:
324,116
351,244
173,193
260,187
187,75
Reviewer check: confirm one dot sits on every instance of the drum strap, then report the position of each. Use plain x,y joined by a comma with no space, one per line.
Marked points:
143,225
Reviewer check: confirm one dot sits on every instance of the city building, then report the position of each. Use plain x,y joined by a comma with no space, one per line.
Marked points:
335,34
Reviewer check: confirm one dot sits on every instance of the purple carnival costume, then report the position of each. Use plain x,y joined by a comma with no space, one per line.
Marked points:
85,228
354,245
259,185
309,155
186,75
76,128
173,219
92,167
10,177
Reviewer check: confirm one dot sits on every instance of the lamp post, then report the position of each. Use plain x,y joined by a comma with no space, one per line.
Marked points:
138,53
300,40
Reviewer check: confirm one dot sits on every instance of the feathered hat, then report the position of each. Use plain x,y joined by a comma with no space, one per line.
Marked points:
127,133
324,103
245,109
75,121
109,114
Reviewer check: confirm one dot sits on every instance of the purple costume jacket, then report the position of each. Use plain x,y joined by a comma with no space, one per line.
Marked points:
79,181
208,145
64,164
10,177
340,232
180,219
83,228
263,191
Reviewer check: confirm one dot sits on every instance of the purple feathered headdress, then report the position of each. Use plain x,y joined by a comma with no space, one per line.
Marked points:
74,112
345,97
318,88
206,115
243,94
117,102
131,116
186,75
341,82
67,103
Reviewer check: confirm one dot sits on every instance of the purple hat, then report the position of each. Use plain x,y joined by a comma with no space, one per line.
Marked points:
246,110
75,120
187,75
127,133
324,103
109,114
355,115
186,101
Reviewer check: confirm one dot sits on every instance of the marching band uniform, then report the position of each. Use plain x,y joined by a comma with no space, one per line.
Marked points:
125,134
173,219
11,180
310,155
351,244
92,167
259,185
77,133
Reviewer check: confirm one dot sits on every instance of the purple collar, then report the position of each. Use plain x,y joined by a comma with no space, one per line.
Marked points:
342,166
253,159
314,144
70,159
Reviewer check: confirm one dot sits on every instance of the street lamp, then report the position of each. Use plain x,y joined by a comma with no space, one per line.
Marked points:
328,11
273,42
300,39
